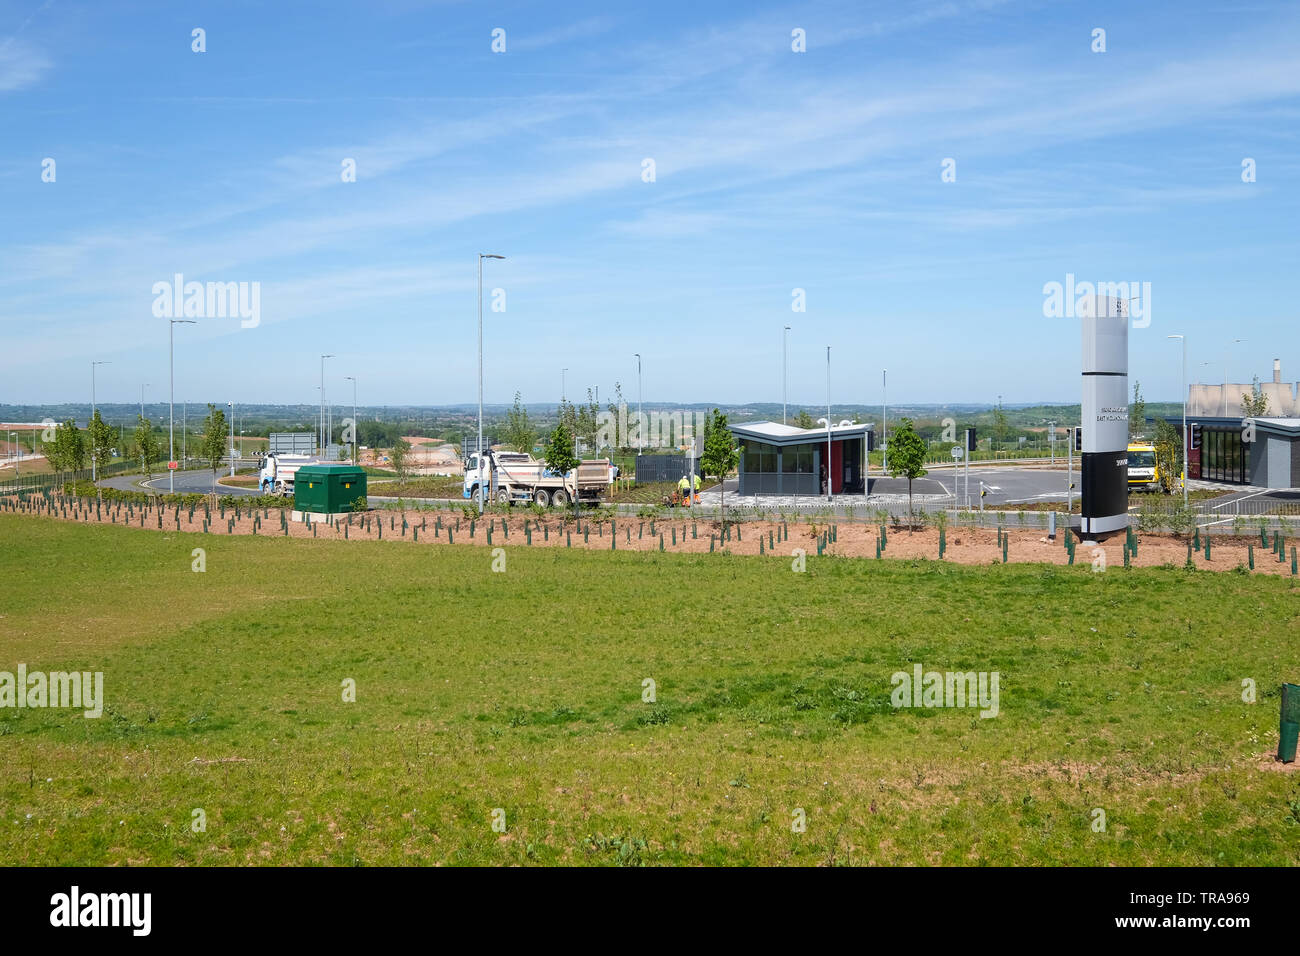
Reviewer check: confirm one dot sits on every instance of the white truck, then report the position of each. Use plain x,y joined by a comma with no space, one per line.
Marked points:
277,471
508,477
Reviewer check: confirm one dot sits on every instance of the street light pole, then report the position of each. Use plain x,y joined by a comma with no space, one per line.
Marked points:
1186,440
353,379
232,438
324,444
171,400
640,407
785,338
481,257
142,388
884,420
829,476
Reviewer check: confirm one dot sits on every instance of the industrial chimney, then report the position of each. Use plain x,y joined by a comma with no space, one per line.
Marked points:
1277,371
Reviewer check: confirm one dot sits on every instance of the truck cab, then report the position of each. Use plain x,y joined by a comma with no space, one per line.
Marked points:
276,475
1142,472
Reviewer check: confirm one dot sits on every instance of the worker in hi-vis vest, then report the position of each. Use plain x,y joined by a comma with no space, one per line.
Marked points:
687,485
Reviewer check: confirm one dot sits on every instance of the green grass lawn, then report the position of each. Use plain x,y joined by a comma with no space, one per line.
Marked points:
522,691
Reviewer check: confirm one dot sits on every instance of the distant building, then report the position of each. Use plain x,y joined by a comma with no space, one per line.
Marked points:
1220,448
1224,401
781,459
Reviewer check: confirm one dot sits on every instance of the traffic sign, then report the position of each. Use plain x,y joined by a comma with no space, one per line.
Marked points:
171,465
956,452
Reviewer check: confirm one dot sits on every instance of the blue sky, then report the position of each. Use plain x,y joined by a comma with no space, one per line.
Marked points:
774,170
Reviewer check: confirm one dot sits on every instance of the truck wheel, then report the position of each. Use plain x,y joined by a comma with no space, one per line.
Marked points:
541,497
503,497
560,498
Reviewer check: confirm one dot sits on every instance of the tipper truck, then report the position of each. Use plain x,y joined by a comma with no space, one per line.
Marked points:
508,477
277,473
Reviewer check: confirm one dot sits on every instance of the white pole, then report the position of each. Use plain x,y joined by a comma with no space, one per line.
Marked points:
1069,476
884,420
966,453
829,475
480,383
171,406
640,407
1185,441
785,337
481,257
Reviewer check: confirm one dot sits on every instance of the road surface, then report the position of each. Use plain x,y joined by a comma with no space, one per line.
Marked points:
186,483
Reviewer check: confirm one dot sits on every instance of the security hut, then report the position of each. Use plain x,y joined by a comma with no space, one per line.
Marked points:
781,459
331,488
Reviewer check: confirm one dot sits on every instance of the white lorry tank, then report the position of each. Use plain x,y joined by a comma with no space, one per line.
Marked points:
277,472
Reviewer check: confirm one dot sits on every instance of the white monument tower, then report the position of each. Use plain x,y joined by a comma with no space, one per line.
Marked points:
1104,416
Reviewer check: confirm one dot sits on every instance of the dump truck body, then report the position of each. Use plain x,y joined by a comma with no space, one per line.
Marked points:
510,477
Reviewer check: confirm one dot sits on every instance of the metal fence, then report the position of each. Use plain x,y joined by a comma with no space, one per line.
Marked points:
48,481
663,467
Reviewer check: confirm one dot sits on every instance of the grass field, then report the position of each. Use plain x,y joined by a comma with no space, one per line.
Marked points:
522,691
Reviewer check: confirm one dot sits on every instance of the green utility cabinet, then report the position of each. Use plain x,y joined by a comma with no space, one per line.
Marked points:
328,489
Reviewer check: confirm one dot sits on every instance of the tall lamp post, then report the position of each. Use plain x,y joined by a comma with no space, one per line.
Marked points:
92,415
640,407
884,420
353,380
829,476
481,257
785,338
143,386
324,438
171,399
232,438
1183,338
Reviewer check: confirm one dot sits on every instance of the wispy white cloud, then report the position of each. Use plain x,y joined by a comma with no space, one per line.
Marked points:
20,66
581,30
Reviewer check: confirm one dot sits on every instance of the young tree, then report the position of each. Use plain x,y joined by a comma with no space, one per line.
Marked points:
559,455
1254,405
1000,428
399,457
1137,412
567,415
907,457
212,440
520,432
100,440
805,420
146,445
68,450
620,435
721,456
1169,454
588,421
